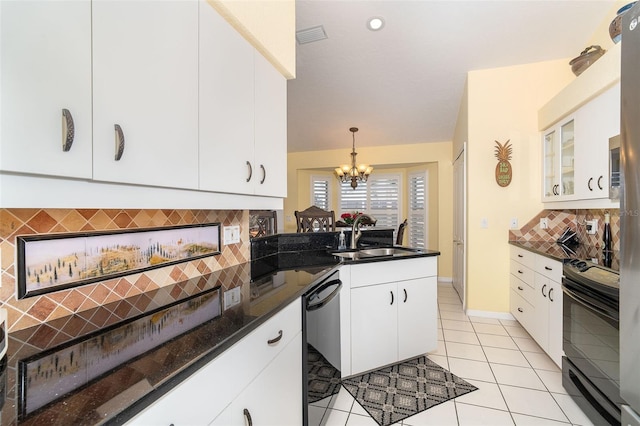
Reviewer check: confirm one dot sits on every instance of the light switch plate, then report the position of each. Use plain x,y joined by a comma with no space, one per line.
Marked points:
514,223
231,234
231,297
544,223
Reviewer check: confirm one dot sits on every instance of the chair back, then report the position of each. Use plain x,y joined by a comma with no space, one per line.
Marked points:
263,222
315,219
400,234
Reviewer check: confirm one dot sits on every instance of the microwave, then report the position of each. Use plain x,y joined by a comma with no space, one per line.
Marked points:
614,168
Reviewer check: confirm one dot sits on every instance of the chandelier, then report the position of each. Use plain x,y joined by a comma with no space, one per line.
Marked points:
353,173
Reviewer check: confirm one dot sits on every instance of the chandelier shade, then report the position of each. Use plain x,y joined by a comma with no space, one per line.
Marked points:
351,172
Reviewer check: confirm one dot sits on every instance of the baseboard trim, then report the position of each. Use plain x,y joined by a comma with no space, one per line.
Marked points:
490,314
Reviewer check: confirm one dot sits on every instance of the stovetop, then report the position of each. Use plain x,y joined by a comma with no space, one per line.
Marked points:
595,276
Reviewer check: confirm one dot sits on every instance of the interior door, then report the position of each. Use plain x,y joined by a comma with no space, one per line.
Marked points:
459,225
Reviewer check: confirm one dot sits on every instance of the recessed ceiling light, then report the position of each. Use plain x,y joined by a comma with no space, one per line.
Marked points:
375,24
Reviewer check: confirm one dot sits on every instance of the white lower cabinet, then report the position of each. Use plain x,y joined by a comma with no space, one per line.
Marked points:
273,397
393,320
536,299
245,374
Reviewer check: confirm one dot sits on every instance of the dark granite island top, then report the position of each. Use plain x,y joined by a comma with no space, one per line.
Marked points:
105,365
87,369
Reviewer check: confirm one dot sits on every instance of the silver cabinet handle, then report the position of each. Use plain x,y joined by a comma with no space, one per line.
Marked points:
275,339
391,298
543,287
550,293
520,272
247,416
68,130
264,174
250,171
520,255
589,184
520,310
520,288
405,295
599,183
548,268
119,142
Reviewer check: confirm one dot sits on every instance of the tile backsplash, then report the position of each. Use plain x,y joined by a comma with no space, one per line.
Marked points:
30,311
559,220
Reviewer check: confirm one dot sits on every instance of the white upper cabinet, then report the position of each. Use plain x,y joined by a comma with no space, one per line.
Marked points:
145,83
599,120
46,69
243,114
575,158
270,129
226,106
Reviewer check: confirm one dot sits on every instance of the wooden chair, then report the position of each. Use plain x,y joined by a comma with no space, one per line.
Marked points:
400,234
315,219
264,222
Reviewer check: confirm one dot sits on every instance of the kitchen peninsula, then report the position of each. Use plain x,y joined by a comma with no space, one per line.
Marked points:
53,371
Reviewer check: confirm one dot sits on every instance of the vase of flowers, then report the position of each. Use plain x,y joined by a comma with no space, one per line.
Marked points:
349,218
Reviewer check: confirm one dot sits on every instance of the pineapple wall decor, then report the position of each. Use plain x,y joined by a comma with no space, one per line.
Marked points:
503,169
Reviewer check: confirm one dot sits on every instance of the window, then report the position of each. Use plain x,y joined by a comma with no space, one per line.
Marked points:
418,198
321,192
380,197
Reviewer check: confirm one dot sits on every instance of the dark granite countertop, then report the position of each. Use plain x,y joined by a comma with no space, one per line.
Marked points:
72,371
561,253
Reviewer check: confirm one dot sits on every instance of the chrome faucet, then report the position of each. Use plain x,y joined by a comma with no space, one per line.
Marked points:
356,233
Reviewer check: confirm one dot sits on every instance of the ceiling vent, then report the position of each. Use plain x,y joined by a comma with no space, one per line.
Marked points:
310,35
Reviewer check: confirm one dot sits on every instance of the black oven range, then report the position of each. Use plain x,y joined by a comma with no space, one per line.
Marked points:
591,365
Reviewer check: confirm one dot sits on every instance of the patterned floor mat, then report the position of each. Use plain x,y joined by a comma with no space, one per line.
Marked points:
401,390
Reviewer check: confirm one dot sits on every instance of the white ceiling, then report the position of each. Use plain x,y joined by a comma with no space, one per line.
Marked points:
403,84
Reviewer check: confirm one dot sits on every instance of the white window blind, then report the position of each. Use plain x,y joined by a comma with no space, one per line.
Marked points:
417,222
380,197
321,192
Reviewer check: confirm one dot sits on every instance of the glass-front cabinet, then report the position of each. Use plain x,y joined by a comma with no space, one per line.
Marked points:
558,161
567,159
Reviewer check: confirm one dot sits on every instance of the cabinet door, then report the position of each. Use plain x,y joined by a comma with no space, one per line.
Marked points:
567,159
374,326
274,397
555,296
417,317
597,121
270,129
540,326
46,67
145,80
550,167
226,107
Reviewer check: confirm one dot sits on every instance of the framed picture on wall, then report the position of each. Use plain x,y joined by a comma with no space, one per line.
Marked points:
52,262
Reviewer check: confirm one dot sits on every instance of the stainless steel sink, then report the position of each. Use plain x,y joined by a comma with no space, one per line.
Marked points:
374,252
347,254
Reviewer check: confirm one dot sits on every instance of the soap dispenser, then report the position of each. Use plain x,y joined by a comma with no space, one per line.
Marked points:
342,245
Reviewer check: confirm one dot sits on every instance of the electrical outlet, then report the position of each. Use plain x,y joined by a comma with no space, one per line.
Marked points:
231,297
544,223
514,223
592,226
231,234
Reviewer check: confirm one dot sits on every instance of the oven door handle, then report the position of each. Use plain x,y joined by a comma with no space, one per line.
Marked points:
318,290
586,303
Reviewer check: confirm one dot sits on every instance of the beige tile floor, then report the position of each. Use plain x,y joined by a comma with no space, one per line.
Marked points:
517,382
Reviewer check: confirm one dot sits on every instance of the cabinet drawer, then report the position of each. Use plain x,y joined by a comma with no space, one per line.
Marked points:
393,270
522,272
522,289
204,395
523,256
522,310
550,268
